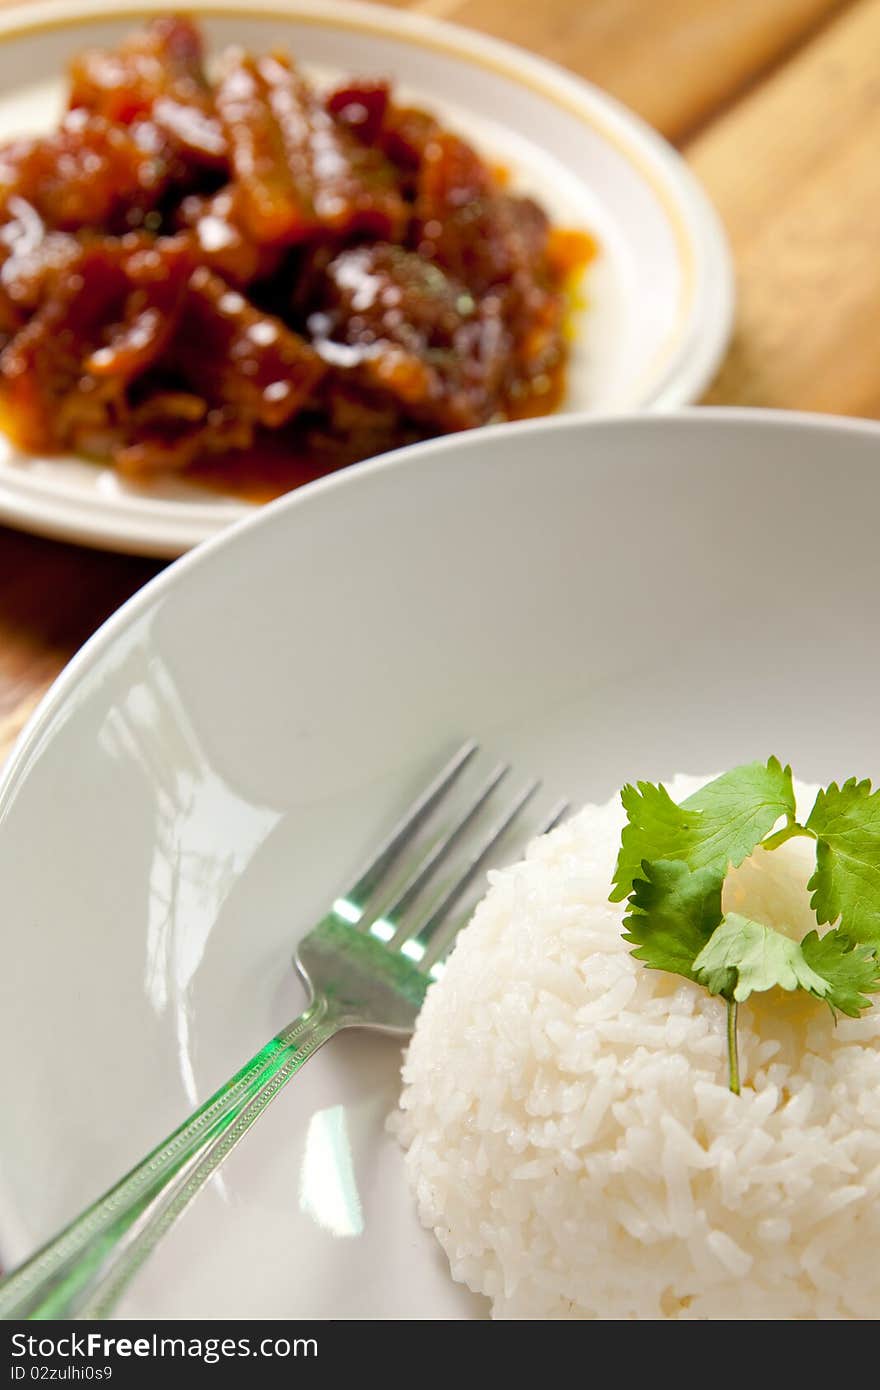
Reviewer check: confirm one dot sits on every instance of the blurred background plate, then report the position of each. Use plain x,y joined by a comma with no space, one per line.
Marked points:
598,601
660,292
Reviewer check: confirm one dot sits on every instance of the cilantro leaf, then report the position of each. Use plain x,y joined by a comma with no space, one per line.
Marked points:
657,829
846,884
673,912
747,797
743,957
851,970
718,826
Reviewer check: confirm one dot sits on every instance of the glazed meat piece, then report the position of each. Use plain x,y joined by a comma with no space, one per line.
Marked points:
351,423
224,243
29,254
396,325
362,108
498,243
103,316
229,371
299,172
483,235
235,356
157,75
171,429
401,132
90,174
157,279
406,134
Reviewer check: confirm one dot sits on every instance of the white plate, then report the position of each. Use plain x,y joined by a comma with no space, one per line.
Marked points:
599,600
660,292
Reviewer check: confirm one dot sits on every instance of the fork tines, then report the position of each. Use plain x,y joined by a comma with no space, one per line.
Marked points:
407,901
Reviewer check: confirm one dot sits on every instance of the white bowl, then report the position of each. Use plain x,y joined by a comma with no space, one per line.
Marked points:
660,292
599,601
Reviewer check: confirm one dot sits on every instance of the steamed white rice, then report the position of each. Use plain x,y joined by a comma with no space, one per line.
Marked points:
570,1134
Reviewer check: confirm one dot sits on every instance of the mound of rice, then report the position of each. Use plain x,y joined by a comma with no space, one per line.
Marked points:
570,1135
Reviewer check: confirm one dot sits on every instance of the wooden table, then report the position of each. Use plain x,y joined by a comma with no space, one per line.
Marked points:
774,103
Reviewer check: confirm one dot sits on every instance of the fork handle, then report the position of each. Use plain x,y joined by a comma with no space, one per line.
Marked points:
85,1268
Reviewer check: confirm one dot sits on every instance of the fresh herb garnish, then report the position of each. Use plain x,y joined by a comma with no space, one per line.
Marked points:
718,826
673,912
846,884
671,868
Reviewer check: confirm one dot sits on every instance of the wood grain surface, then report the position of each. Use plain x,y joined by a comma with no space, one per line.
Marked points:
775,103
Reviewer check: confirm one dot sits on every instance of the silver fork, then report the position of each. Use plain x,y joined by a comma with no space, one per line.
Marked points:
368,963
